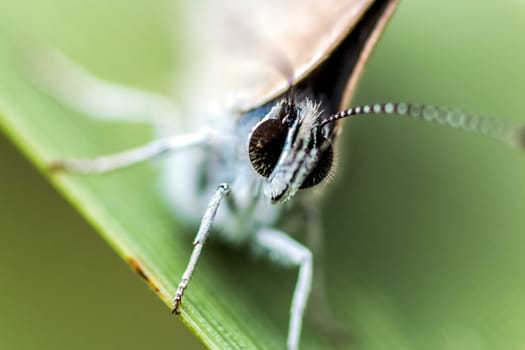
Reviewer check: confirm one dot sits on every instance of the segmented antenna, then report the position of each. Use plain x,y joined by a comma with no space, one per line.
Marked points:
456,118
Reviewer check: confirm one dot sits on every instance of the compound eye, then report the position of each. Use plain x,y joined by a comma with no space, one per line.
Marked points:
266,144
322,169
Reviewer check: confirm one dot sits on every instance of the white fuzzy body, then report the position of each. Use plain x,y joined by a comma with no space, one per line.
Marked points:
190,178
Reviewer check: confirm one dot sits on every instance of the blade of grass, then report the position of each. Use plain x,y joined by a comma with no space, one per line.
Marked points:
439,268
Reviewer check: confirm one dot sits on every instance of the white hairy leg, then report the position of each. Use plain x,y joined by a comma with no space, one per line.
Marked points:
136,155
284,250
198,243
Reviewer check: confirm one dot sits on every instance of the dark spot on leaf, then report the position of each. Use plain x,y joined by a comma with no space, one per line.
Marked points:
56,166
135,265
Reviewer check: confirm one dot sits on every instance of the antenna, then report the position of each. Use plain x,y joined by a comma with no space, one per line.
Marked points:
511,133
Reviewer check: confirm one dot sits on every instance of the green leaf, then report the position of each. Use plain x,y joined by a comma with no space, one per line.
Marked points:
424,228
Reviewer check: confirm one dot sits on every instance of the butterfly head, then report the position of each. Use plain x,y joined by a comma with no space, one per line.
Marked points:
291,149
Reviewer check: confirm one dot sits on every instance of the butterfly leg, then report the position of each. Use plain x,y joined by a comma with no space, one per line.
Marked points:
282,249
198,243
75,87
136,155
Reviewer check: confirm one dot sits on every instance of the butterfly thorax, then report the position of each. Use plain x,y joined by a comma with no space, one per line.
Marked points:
266,156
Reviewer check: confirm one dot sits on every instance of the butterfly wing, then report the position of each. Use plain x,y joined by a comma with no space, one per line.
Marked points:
253,50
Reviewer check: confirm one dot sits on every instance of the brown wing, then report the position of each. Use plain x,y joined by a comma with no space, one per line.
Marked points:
251,50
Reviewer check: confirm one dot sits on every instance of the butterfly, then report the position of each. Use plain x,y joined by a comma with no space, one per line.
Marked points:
254,152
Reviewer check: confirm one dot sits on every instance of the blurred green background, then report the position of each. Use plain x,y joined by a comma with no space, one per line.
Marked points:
432,219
